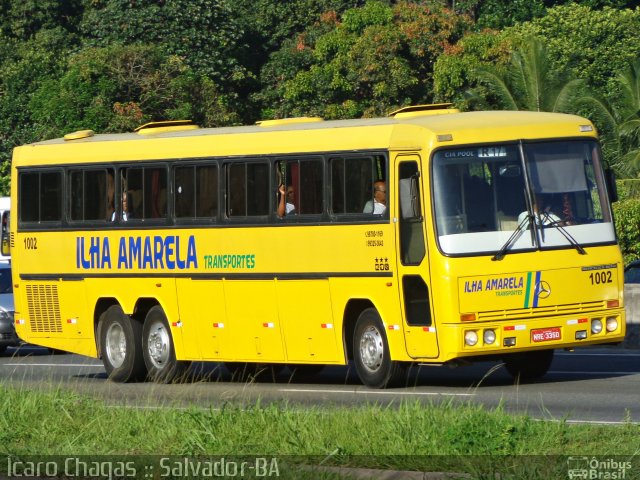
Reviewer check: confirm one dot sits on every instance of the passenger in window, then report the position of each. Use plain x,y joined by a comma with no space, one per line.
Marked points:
124,215
111,191
542,211
379,204
285,204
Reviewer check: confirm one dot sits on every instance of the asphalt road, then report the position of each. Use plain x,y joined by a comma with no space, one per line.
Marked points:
588,385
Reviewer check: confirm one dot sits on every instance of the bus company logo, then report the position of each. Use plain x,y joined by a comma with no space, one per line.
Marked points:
595,468
503,286
544,289
170,252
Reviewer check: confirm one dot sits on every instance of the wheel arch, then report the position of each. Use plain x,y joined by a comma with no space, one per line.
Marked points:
352,311
102,305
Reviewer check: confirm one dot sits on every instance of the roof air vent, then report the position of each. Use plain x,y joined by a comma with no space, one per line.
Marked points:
288,121
165,126
420,110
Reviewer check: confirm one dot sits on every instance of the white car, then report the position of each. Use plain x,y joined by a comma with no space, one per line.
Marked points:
8,337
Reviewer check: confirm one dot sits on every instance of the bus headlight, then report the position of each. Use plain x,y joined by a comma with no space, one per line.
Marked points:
612,324
596,326
470,338
489,336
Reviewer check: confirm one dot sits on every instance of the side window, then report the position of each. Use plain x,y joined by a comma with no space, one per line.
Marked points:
40,197
359,185
29,201
196,191
300,187
143,193
51,196
412,245
247,189
91,195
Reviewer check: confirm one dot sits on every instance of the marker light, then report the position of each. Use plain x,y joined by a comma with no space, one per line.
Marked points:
581,334
509,341
612,324
489,336
471,338
596,326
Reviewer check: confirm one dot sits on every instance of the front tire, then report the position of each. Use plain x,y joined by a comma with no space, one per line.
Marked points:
371,352
528,365
158,349
121,346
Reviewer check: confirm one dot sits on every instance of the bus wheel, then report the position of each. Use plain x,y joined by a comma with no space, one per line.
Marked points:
158,351
528,365
371,352
121,346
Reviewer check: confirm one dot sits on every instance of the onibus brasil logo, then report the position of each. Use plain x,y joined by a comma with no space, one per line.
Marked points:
598,468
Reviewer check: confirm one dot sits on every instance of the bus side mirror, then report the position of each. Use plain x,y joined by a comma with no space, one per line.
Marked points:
612,188
410,207
5,249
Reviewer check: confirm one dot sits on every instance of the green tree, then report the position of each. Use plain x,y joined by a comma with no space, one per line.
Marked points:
628,114
527,83
119,87
24,67
22,20
454,70
204,33
365,62
619,119
593,44
269,23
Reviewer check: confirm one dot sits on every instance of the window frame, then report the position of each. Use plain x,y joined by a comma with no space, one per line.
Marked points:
40,224
195,220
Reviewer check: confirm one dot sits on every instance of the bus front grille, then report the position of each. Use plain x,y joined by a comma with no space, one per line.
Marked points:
568,309
44,308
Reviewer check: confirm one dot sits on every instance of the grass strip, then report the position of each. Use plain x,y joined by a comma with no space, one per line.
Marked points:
60,422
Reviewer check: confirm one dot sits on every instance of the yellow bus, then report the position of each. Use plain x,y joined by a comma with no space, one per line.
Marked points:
430,236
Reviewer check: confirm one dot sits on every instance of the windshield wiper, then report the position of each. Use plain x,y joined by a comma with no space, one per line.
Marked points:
514,236
556,223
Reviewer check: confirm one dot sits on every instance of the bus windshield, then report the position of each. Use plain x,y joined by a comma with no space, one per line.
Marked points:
487,195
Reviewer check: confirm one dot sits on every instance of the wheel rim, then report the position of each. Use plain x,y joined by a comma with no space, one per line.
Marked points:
116,345
158,345
371,349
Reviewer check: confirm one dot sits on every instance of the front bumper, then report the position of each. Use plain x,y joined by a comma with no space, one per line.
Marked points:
519,335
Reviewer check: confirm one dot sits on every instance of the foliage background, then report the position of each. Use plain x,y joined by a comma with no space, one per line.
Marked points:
110,65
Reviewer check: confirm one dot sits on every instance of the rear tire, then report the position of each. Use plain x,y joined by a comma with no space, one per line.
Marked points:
158,349
121,346
528,365
371,352
2,349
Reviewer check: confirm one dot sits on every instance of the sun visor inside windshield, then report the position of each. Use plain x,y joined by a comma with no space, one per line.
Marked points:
552,171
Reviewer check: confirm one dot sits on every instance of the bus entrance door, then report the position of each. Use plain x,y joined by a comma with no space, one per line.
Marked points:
412,265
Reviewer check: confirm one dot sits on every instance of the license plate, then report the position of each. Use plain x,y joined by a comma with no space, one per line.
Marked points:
545,334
